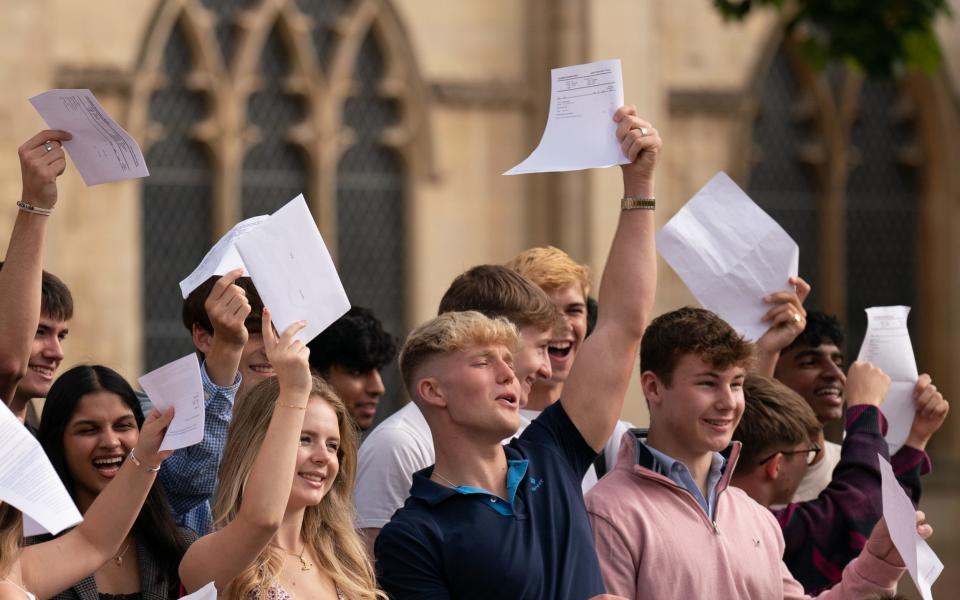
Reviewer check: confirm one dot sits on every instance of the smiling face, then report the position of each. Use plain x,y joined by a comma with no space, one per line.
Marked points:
572,304
531,363
359,390
97,438
45,357
318,460
254,366
698,412
817,375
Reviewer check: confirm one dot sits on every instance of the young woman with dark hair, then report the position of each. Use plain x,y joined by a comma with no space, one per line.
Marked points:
90,423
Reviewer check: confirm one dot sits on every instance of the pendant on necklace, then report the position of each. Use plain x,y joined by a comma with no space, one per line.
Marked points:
304,565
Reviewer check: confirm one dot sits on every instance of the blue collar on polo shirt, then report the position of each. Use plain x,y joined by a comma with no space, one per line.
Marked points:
516,469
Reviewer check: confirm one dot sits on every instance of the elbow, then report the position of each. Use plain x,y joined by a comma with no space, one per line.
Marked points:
262,522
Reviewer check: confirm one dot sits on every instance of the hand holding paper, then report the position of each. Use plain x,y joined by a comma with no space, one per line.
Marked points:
178,385
902,523
101,149
729,253
28,480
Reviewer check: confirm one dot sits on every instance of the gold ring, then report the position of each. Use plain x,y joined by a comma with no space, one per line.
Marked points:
796,317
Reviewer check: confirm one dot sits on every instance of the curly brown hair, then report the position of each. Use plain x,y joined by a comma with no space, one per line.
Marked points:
691,330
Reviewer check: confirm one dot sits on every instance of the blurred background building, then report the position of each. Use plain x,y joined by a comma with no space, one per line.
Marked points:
396,118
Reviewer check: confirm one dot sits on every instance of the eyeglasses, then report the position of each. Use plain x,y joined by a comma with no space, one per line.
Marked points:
812,453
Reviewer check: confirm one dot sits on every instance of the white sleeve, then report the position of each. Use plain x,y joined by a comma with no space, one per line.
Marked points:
387,460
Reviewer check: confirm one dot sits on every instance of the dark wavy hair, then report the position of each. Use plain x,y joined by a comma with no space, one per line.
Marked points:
821,328
154,527
357,340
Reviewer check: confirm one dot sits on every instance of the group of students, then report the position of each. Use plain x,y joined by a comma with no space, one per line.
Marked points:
509,475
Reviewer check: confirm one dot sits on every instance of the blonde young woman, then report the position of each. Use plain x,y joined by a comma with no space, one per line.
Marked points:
283,511
51,567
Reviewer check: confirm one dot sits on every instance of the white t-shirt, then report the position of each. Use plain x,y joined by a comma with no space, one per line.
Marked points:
818,476
402,445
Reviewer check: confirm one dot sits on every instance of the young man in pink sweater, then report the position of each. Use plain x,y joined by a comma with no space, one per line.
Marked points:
665,522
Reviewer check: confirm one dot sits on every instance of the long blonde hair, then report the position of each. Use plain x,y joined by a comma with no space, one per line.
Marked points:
328,527
11,534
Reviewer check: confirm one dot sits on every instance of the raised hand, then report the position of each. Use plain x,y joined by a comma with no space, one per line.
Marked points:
42,160
151,436
228,308
641,144
787,317
880,545
288,356
931,412
866,384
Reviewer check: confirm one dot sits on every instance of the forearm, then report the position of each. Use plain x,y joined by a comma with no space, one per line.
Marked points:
271,478
222,362
20,281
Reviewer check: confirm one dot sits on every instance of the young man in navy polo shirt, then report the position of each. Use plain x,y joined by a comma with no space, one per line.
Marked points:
509,521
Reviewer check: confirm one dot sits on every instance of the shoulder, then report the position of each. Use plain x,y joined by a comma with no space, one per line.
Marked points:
615,493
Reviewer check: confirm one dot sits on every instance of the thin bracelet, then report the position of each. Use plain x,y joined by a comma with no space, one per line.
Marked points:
27,207
137,462
292,406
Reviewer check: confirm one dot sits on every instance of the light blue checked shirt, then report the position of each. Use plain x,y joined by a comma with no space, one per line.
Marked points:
189,476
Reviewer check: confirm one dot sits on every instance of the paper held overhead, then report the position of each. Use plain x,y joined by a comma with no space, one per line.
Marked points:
29,482
178,384
101,149
580,131
293,271
289,264
887,346
729,253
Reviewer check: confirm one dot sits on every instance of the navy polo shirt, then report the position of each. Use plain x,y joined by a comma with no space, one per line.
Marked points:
444,543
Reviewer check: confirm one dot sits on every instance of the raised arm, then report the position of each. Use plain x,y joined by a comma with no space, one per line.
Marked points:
106,523
222,555
22,270
593,394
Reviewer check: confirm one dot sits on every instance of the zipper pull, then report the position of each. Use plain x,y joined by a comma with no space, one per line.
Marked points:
716,529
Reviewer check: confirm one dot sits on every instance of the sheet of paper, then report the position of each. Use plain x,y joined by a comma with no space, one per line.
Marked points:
178,384
922,563
207,592
101,149
729,253
292,270
580,132
222,258
887,346
29,482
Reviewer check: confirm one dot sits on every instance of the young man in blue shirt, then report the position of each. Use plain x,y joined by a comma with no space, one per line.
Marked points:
509,521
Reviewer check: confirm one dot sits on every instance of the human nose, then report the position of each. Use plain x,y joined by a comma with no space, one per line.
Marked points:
109,439
727,397
53,349
375,383
833,372
545,371
504,372
321,456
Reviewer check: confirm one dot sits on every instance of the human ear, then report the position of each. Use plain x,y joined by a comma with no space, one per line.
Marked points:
430,393
652,388
202,339
772,467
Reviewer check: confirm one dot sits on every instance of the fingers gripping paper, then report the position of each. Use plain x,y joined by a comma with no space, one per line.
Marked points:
729,253
887,346
178,384
29,482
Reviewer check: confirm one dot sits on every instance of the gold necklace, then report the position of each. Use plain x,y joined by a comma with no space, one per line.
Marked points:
304,565
118,559
445,480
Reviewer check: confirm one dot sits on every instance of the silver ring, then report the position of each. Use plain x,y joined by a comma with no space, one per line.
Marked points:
47,146
644,132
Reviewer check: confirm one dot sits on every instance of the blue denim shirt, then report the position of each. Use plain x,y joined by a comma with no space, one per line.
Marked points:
678,473
189,475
